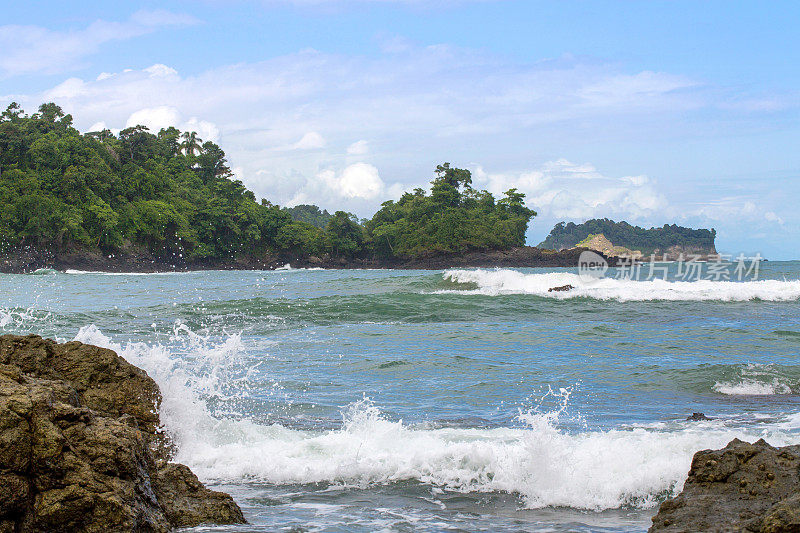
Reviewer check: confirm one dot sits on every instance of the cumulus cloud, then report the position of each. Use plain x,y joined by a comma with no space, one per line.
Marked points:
358,148
310,141
156,118
294,124
29,49
271,115
359,180
564,190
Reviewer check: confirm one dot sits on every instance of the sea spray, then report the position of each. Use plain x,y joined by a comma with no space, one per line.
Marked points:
542,463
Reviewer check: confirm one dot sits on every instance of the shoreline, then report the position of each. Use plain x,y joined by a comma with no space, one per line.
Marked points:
27,261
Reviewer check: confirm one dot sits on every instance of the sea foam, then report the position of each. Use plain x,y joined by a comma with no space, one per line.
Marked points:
757,380
504,281
543,464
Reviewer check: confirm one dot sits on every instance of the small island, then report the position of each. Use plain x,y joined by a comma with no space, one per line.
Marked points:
623,239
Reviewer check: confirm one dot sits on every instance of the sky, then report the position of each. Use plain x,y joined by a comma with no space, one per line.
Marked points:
654,112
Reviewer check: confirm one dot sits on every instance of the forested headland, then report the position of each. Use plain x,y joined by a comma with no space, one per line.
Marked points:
171,196
648,241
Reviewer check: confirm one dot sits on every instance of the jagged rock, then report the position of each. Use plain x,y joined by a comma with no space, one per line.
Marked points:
79,447
562,288
697,417
743,487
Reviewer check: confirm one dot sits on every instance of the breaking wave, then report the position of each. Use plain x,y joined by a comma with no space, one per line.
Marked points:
503,281
757,380
539,461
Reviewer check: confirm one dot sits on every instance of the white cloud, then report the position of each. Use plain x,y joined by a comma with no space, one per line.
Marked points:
310,141
208,131
772,217
358,148
359,180
155,118
633,89
564,190
287,121
159,70
29,49
419,100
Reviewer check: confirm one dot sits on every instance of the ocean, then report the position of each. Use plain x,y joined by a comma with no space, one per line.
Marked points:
463,400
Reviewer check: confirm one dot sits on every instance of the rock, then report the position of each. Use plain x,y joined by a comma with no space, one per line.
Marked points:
743,487
80,448
562,288
697,417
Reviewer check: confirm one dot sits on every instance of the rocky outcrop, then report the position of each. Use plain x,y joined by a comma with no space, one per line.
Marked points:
599,243
80,448
743,487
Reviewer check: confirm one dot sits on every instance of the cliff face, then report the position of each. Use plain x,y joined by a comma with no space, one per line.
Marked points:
673,252
743,487
80,448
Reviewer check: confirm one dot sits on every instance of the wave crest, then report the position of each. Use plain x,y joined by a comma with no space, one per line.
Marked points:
543,464
504,281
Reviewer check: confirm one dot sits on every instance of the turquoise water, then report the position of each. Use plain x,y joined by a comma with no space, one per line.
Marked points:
430,401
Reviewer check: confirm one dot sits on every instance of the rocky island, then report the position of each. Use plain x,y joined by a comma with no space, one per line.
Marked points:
622,239
81,448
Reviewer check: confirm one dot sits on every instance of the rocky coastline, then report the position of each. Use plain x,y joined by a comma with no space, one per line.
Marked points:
29,260
743,487
81,448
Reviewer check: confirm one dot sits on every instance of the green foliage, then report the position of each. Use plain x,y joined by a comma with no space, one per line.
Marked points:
311,214
168,192
175,195
454,218
345,237
647,241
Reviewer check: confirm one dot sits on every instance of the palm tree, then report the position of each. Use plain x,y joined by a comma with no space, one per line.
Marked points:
191,142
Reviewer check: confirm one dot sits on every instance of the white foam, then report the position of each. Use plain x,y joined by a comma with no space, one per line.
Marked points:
289,268
503,281
546,466
103,273
756,380
21,319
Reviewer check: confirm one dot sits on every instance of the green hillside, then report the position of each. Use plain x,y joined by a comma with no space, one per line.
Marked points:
172,195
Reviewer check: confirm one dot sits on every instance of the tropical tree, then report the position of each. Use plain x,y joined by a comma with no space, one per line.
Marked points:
191,143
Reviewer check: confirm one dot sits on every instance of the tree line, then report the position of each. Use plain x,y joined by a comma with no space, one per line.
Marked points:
174,195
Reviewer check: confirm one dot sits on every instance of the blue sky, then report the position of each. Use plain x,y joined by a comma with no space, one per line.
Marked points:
653,112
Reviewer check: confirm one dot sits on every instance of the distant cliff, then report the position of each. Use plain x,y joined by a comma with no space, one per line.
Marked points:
672,240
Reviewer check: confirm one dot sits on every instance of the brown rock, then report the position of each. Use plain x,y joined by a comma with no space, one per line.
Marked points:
562,288
743,487
77,455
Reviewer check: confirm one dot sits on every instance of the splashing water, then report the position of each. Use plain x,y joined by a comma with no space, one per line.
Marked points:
546,466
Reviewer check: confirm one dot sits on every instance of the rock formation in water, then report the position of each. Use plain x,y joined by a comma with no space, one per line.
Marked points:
562,288
80,447
743,487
